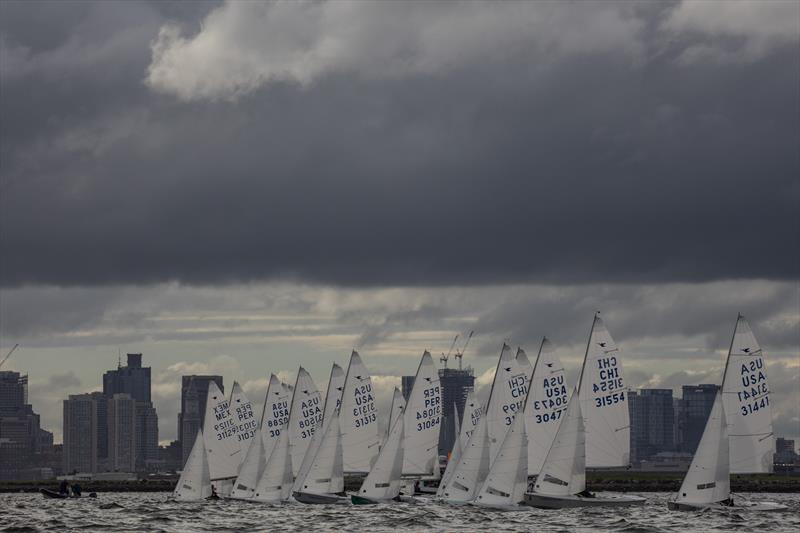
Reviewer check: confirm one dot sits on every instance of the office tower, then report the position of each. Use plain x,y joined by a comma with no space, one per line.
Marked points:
652,420
122,433
784,451
85,433
194,391
407,383
697,403
134,380
456,384
21,437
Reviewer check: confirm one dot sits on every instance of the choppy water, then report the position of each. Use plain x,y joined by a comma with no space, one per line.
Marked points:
155,512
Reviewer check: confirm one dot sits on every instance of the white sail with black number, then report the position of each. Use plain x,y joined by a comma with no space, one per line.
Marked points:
275,483
358,419
563,472
246,423
306,412
604,401
423,421
325,474
708,478
195,482
745,394
383,481
547,404
507,397
220,438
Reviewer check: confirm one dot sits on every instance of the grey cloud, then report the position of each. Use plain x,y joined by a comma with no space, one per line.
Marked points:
64,381
591,169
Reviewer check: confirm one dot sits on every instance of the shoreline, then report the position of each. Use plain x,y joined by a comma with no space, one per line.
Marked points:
598,481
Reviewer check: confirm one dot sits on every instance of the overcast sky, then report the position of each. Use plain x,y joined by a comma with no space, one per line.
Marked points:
242,187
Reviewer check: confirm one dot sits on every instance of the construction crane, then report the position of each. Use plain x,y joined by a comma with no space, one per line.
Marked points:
443,359
460,353
8,355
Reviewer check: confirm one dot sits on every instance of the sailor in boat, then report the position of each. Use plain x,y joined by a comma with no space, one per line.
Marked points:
63,487
76,490
214,495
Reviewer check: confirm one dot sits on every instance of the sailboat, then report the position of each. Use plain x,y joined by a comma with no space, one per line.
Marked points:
221,442
596,417
274,416
275,483
358,419
305,413
422,423
732,438
195,482
472,413
246,424
473,465
547,403
323,483
382,484
398,405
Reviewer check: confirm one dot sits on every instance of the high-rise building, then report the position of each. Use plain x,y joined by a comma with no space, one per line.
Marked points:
21,437
194,391
696,406
85,428
134,380
406,384
784,451
122,433
652,420
456,385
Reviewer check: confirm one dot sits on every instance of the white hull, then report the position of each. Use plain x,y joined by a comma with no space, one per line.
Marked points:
543,501
743,506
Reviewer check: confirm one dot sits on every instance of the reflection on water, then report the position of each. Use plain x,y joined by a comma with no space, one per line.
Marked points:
155,512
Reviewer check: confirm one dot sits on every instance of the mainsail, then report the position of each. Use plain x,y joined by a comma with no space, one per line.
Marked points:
563,472
358,419
306,412
383,481
604,401
246,424
745,393
275,483
508,477
506,398
194,483
422,421
547,404
220,436
708,478
333,396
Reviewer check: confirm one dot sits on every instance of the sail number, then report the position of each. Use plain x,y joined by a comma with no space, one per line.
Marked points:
429,416
609,399
755,393
556,400
610,381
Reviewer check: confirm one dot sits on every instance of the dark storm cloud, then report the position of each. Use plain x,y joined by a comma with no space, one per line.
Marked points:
595,168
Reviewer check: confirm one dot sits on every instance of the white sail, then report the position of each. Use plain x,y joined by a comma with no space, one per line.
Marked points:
547,404
458,448
398,404
325,474
524,363
246,423
507,479
604,400
745,393
194,483
333,399
423,421
506,398
359,419
564,469
306,412
471,469
708,478
383,481
274,416
275,483
473,411
220,437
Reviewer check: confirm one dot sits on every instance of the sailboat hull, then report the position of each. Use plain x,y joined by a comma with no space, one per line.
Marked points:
503,507
744,506
320,499
543,501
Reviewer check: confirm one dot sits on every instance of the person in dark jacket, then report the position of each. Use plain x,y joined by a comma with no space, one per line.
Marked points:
63,487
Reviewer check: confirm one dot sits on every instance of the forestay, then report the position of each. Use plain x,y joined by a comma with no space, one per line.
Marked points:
194,483
383,481
275,483
306,412
358,419
220,436
708,478
423,421
507,479
563,472
604,401
547,403
246,424
746,397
